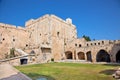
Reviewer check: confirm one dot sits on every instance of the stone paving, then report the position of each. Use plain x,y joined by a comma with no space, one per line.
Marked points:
7,72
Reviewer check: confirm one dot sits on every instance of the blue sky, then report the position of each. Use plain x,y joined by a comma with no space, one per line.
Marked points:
99,19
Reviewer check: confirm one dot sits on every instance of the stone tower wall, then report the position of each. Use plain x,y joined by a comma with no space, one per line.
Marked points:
51,31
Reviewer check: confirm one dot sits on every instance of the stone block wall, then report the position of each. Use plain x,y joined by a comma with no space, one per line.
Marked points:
50,37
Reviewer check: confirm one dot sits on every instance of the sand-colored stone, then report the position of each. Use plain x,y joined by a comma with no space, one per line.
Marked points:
51,37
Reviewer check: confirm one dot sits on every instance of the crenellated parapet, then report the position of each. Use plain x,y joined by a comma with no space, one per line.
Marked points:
98,42
12,26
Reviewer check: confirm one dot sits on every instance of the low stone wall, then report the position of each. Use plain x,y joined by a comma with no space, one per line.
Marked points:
15,61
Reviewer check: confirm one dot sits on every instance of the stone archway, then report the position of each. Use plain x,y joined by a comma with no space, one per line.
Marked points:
89,56
23,60
102,56
81,56
118,57
68,55
32,52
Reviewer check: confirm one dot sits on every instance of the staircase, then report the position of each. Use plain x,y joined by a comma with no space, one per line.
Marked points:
21,52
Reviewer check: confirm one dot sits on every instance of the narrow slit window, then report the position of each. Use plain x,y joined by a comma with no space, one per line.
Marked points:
80,45
58,33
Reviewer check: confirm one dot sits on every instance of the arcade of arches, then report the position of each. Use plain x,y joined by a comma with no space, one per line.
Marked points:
101,56
79,55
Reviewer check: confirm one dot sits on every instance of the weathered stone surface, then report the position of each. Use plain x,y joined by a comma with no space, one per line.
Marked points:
116,75
50,37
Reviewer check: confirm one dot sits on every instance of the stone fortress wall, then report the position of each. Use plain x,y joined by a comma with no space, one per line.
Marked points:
10,37
94,51
50,37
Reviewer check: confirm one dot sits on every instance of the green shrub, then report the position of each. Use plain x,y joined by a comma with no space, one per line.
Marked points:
12,52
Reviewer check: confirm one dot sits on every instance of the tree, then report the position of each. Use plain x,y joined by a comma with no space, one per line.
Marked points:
87,38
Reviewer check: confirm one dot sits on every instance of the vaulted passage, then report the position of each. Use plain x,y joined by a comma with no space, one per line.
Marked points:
89,56
81,56
23,61
68,55
102,56
118,57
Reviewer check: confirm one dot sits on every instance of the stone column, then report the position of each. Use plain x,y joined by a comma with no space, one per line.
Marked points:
85,56
76,56
73,57
94,57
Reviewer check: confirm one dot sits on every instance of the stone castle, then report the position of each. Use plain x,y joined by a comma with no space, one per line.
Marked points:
49,37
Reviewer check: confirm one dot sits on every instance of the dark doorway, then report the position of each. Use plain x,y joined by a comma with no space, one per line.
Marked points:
102,56
118,57
68,55
23,61
81,56
89,56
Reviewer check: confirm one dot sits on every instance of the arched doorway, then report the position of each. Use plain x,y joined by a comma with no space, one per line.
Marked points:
68,55
32,52
118,57
102,56
89,56
81,56
23,60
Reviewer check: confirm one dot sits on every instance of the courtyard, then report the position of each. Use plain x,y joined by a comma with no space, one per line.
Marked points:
70,71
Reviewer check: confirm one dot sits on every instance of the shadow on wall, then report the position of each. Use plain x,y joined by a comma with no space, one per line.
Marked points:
36,76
